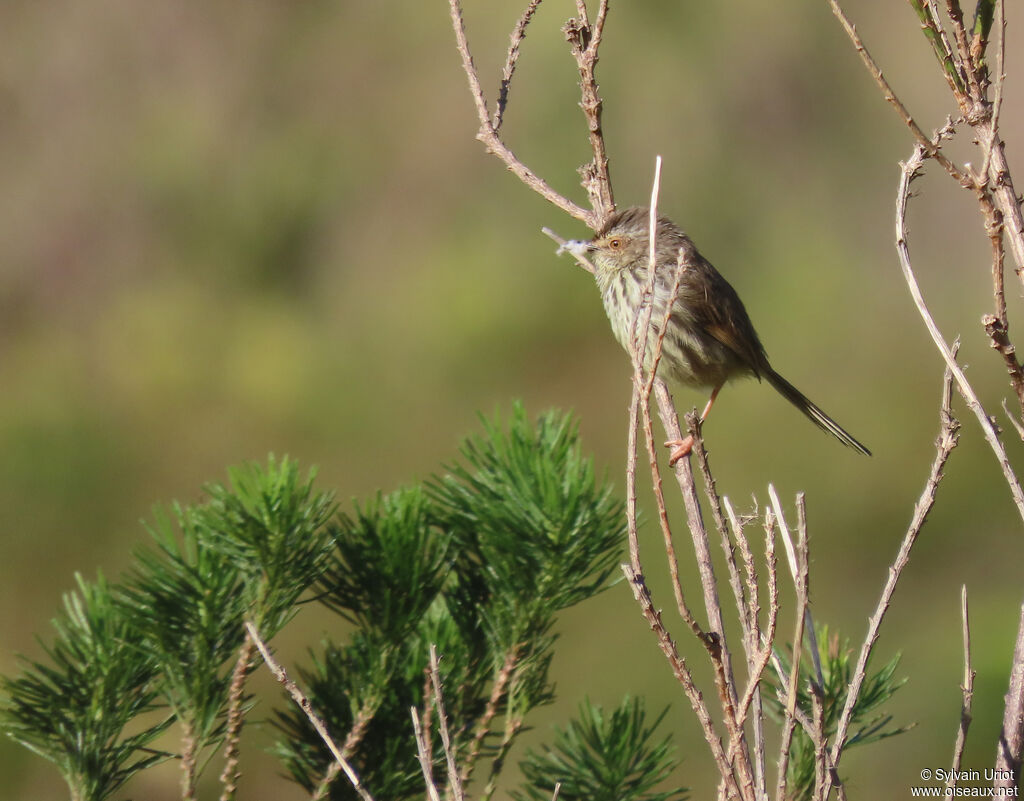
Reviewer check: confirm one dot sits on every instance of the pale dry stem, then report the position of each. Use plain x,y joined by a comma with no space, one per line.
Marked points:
967,688
1011,737
454,777
424,755
489,135
944,445
801,582
515,40
683,675
303,702
715,502
909,171
891,97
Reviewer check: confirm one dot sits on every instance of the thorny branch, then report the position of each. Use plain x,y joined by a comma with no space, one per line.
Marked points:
967,72
743,772
584,40
968,78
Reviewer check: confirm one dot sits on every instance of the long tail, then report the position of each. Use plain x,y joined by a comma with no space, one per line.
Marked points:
816,415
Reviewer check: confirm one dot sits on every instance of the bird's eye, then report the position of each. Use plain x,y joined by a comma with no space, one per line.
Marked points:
615,244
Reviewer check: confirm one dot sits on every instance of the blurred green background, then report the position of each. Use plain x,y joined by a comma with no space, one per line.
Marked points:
233,229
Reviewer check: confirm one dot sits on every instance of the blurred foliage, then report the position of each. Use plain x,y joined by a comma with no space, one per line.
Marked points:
74,709
234,231
476,567
170,634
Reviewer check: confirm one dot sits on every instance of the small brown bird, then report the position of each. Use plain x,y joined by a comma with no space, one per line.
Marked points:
710,338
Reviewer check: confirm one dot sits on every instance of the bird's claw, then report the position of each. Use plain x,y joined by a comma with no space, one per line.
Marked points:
682,447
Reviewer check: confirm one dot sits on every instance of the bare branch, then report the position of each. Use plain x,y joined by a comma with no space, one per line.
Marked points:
584,40
638,344
944,444
1011,738
489,136
300,698
715,502
454,779
682,673
930,147
516,39
908,172
715,640
1014,421
968,695
800,579
355,736
423,752
644,385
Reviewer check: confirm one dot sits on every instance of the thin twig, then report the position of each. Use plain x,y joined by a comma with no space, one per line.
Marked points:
585,40
352,739
800,580
644,379
303,702
749,615
967,688
1011,737
682,673
1014,421
945,443
516,39
638,345
489,136
819,740
454,779
423,752
794,568
715,502
643,383
908,172
716,637
927,144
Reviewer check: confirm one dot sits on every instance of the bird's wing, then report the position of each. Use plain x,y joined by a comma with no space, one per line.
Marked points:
727,321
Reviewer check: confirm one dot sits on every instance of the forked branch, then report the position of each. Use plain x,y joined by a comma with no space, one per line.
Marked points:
584,39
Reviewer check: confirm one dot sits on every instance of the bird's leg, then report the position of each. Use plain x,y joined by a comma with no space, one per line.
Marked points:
682,447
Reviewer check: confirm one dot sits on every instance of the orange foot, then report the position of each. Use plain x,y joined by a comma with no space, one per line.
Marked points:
681,448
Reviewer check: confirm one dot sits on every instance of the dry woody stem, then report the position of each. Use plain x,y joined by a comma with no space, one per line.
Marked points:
738,741
303,702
